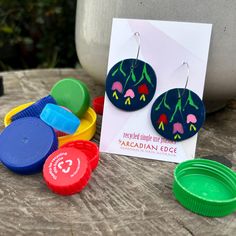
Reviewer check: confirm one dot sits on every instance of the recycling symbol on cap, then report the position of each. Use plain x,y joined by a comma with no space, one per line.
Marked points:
67,170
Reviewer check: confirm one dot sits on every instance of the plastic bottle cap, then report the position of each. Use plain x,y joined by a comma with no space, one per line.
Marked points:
25,144
35,109
86,130
13,111
72,94
67,171
205,187
90,149
60,119
98,104
58,132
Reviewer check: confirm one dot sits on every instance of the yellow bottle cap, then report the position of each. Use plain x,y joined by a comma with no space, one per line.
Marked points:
86,130
8,116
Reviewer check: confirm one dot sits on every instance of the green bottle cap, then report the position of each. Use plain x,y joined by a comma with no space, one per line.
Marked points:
205,187
72,94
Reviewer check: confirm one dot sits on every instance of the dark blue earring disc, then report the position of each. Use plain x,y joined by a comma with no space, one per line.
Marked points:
177,118
129,87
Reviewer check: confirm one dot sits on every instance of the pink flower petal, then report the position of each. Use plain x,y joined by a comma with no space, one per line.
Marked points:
191,118
178,128
129,93
117,86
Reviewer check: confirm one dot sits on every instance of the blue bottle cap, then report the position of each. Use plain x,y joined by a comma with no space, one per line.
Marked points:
25,144
60,119
35,109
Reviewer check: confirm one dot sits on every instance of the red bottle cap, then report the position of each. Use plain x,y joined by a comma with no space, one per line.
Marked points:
60,133
89,148
67,171
98,104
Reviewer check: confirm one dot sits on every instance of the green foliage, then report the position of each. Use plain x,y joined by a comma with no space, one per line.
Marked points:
37,33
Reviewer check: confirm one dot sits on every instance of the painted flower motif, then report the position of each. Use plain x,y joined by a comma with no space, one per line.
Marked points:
116,87
162,121
129,95
143,91
178,130
191,119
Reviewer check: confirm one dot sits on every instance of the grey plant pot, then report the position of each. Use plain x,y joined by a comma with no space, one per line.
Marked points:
93,28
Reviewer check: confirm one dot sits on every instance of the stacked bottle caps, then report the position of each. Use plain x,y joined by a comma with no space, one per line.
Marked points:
30,142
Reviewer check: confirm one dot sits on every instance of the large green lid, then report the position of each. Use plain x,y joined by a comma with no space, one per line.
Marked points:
72,94
205,187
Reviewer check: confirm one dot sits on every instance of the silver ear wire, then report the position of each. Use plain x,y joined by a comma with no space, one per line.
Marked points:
188,72
137,34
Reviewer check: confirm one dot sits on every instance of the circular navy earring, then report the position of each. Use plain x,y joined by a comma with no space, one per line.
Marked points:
131,83
179,113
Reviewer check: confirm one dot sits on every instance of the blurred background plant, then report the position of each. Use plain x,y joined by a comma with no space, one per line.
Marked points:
37,33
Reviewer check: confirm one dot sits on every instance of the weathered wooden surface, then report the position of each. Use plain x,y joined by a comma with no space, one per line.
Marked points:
126,196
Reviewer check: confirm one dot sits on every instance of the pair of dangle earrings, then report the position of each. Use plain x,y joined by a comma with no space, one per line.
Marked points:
177,114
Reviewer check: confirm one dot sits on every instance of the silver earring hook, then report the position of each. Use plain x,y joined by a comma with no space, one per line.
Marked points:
188,72
137,34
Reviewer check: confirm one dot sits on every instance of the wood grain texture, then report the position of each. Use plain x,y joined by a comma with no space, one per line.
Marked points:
126,196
